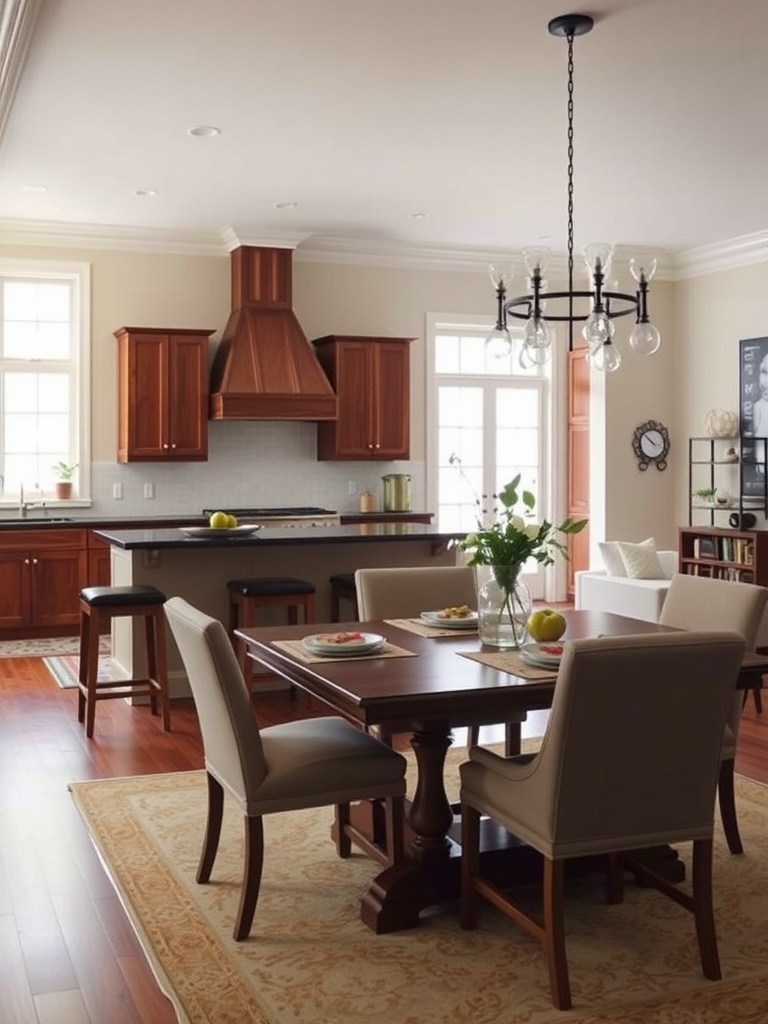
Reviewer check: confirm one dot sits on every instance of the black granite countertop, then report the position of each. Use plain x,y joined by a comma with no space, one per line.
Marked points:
33,520
143,539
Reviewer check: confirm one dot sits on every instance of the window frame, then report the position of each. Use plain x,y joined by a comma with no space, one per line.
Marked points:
78,274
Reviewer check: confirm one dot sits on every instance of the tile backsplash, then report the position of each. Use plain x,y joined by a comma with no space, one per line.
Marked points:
249,464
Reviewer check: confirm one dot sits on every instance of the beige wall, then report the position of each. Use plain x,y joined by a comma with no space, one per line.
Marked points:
141,289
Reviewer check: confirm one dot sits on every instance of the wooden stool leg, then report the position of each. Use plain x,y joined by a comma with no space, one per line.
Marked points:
161,667
92,669
149,644
85,625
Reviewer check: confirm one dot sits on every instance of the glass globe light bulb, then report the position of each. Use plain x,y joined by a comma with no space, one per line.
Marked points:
605,358
538,333
535,258
498,343
645,339
535,355
525,359
642,264
598,329
501,274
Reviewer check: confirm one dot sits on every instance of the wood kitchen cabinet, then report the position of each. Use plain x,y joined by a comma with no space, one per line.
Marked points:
371,377
41,573
162,394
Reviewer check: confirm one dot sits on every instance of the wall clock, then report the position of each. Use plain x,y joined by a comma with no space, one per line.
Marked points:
651,444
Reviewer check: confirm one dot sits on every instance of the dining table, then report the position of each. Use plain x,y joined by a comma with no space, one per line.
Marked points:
428,681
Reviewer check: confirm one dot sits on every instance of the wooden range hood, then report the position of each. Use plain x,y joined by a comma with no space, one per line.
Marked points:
265,368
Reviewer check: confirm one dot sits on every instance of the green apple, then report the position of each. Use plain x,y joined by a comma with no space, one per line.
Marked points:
546,624
219,521
231,521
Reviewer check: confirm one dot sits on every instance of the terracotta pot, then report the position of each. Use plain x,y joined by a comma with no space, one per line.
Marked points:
63,489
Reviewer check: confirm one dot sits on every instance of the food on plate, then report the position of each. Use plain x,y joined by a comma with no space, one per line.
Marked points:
219,521
546,624
554,650
231,521
340,638
459,611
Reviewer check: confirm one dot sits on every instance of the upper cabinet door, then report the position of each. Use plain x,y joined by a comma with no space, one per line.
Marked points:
162,394
371,377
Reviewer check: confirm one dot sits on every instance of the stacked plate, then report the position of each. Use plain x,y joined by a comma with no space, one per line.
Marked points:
224,531
543,655
446,622
343,645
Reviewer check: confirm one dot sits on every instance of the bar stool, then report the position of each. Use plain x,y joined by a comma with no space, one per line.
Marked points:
343,589
98,606
246,596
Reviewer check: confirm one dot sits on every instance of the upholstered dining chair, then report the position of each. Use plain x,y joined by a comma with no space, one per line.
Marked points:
621,768
315,762
699,602
401,593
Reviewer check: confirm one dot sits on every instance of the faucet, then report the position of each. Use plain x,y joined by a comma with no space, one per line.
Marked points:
25,506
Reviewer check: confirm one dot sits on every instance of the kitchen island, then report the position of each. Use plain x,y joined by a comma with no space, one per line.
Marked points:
197,569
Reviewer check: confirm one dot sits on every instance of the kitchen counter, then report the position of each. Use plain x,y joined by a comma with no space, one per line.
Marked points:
36,521
165,539
198,569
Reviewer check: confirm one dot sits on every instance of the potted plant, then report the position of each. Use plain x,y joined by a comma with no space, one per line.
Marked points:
706,495
64,471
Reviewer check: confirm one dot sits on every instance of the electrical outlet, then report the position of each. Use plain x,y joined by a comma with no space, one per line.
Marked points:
117,491
149,490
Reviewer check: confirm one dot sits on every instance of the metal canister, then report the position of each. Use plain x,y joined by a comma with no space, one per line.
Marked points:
397,492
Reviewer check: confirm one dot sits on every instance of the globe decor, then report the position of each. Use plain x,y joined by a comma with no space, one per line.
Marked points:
500,551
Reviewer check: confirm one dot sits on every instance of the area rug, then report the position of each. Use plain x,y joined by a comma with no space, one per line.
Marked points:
65,670
47,646
309,960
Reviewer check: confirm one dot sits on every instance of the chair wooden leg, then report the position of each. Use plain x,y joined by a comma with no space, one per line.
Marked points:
703,909
512,739
212,829
554,934
727,800
470,864
254,862
343,842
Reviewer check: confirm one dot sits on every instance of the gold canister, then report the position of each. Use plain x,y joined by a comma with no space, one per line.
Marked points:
397,492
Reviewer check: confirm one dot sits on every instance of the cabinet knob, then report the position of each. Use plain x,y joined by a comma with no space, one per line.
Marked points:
166,446
34,561
26,561
173,446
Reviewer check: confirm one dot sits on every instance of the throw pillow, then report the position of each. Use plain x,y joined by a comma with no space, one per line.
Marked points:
612,560
641,561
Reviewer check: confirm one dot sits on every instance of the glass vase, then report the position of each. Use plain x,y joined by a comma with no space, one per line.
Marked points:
504,605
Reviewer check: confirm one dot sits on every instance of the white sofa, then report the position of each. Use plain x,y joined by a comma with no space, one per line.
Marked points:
595,590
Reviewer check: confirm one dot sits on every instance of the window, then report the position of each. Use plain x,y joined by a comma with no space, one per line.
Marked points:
488,421
44,347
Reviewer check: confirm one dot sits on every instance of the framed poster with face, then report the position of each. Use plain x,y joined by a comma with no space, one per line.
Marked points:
753,412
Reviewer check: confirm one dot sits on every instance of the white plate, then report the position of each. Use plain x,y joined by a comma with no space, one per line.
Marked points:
369,643
225,531
434,619
536,654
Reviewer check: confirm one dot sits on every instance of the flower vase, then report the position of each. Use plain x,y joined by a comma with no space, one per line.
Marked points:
504,605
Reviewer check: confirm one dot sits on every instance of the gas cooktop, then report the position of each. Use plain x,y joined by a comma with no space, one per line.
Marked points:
276,513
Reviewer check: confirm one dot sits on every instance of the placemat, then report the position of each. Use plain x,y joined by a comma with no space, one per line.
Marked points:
509,661
297,649
422,629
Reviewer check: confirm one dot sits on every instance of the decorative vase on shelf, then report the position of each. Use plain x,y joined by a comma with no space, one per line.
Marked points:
504,605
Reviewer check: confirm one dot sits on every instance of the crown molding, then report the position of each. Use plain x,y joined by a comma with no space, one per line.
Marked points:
17,23
728,255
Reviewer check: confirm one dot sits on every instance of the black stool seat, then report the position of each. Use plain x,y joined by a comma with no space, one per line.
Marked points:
270,586
115,597
342,580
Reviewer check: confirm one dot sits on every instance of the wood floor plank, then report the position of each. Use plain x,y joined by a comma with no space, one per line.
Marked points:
16,1004
65,1007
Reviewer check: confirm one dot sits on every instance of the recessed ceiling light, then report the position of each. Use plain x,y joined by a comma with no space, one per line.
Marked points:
419,216
34,188
286,206
204,131
145,193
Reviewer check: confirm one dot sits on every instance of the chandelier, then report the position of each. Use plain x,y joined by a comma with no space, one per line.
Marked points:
604,305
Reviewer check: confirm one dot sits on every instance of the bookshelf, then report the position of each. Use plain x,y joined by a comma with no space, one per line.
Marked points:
738,467
737,555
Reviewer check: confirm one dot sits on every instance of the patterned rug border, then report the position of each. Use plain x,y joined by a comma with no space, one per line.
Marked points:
222,996
65,670
48,647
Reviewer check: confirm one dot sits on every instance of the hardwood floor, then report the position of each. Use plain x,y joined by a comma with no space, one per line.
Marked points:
68,954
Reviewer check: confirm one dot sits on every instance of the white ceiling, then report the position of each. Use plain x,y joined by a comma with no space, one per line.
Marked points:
364,113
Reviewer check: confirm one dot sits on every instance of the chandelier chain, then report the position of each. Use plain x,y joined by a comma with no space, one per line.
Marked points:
570,189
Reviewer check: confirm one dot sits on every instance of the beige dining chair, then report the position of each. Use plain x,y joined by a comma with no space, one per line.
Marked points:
315,762
402,593
620,769
699,602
